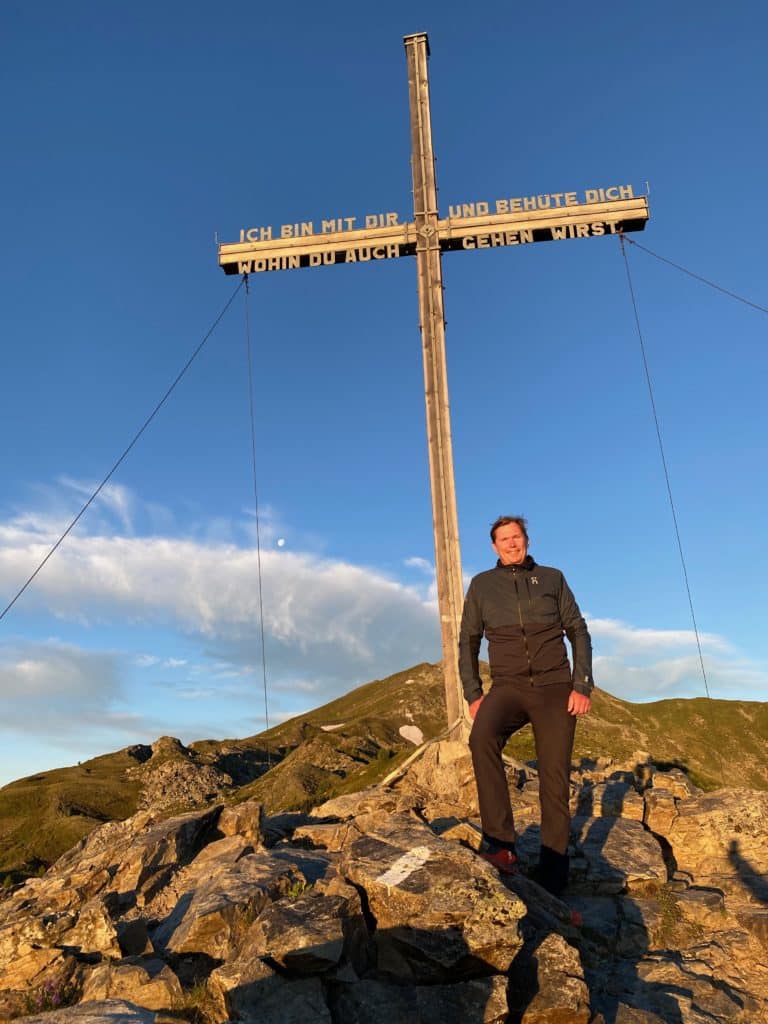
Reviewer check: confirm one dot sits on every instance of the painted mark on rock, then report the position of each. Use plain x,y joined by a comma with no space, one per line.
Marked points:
405,866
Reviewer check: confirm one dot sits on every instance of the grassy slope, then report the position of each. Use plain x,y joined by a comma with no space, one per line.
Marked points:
717,742
43,815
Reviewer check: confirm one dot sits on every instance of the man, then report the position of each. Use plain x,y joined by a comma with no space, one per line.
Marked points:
524,609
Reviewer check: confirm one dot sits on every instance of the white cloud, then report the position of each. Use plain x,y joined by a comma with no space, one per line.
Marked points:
632,640
114,499
324,620
422,564
59,690
650,664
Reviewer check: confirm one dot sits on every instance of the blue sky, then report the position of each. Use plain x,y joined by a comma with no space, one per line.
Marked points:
135,133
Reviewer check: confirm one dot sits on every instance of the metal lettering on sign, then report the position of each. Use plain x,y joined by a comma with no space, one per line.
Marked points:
481,224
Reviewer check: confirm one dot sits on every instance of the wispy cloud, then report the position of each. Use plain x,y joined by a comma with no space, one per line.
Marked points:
325,620
58,690
628,639
422,564
649,664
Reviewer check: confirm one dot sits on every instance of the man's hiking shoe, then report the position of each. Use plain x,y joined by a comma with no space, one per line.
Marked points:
551,872
503,860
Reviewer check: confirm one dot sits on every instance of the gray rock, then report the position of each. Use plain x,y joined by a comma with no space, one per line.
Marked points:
616,853
547,984
311,934
721,839
214,918
755,920
155,855
133,937
640,922
95,931
327,835
374,1002
699,998
660,810
444,779
703,907
111,1011
244,820
439,908
599,915
615,799
149,983
677,783
249,990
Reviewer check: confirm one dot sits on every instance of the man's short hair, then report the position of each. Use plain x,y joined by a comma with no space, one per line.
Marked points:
505,521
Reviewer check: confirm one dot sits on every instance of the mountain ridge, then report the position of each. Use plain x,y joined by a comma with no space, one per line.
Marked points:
348,744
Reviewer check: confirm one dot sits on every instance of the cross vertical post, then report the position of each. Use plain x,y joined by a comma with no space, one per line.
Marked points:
506,222
429,270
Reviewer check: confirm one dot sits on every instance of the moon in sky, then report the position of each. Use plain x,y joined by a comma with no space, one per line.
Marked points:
281,542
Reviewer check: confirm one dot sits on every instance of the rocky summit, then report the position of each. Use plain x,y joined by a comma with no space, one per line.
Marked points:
374,908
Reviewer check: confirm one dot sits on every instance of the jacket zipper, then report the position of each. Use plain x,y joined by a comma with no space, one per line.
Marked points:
522,627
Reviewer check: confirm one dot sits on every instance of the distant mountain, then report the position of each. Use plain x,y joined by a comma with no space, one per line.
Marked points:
344,746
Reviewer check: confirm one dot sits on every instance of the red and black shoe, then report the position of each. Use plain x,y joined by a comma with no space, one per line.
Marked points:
503,860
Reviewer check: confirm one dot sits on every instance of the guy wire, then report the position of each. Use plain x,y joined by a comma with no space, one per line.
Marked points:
256,505
114,468
698,277
663,459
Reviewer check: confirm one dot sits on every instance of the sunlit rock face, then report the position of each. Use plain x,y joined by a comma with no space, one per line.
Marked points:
375,907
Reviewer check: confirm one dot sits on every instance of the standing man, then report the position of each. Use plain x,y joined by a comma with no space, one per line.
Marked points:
524,609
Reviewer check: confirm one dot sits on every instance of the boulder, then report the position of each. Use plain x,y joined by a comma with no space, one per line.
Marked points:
721,839
112,1011
311,934
244,820
444,779
327,835
158,852
546,984
610,800
95,931
441,911
614,854
482,1001
249,990
146,982
677,783
660,810
213,919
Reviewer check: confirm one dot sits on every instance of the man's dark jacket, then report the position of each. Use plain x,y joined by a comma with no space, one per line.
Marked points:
523,611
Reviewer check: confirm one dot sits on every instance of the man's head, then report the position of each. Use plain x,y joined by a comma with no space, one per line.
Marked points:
509,537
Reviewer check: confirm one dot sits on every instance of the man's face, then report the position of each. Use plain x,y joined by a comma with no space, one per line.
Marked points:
510,544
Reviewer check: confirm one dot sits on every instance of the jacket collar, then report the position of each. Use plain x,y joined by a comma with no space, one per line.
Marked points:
527,563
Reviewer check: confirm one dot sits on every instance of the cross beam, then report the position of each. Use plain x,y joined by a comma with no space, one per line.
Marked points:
509,221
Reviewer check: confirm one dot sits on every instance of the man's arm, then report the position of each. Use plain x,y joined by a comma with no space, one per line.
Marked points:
581,643
470,635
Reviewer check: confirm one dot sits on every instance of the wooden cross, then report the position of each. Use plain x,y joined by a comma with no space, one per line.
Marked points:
517,220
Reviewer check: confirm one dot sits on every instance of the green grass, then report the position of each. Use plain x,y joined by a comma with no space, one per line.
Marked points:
44,815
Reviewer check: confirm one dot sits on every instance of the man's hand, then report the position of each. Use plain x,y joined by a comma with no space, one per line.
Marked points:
474,707
578,704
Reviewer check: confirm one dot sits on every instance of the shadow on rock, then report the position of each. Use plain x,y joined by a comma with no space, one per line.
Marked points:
612,948
753,881
394,975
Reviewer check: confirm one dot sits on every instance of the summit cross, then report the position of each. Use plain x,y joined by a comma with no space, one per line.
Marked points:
479,225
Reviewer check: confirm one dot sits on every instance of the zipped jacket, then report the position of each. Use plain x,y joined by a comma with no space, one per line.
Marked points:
524,611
